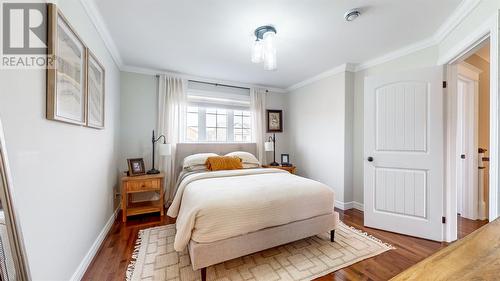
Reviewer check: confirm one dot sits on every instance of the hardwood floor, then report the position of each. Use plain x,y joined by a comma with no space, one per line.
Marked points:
111,262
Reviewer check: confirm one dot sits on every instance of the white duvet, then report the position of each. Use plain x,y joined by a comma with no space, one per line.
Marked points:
213,206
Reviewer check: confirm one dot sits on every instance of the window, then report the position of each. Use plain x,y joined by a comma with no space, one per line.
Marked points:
242,125
218,113
218,125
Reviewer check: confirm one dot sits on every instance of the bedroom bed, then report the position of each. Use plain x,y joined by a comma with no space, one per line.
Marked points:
222,215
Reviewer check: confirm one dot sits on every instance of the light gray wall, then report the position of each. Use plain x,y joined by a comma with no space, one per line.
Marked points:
318,117
139,107
63,175
280,101
138,116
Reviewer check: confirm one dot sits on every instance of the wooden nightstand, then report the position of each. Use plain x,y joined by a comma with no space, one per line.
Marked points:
291,169
146,183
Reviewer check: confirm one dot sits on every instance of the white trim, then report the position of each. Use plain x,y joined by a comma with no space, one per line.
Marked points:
358,206
336,70
494,115
151,71
82,267
468,44
96,18
343,206
469,71
349,205
420,45
458,15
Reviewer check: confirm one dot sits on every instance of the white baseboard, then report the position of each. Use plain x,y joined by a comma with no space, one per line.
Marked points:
349,205
82,267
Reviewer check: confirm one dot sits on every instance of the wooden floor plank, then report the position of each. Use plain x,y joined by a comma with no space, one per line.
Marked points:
115,253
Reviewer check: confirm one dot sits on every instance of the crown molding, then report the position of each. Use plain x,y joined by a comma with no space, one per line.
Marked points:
470,42
102,30
346,67
153,71
458,15
420,45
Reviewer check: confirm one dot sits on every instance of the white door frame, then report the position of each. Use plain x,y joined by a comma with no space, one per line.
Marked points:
467,138
489,29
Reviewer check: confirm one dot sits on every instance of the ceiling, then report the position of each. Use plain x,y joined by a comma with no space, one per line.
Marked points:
213,38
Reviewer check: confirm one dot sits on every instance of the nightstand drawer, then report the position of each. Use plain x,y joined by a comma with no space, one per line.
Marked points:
143,185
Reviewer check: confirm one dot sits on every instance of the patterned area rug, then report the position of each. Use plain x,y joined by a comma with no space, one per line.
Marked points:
306,259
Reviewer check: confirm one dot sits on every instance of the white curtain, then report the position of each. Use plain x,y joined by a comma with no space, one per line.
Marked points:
171,115
258,106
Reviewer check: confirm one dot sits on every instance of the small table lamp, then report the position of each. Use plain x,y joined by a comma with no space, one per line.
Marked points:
164,149
270,145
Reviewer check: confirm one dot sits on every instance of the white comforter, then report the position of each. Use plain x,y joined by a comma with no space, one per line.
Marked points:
213,206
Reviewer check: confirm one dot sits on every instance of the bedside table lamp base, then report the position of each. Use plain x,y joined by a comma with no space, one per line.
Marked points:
153,172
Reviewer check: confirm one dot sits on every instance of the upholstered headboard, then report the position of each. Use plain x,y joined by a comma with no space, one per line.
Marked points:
186,149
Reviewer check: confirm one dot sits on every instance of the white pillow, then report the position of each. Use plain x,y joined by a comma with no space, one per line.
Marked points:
246,157
196,168
197,159
250,166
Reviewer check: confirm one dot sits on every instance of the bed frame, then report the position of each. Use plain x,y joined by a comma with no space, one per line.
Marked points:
203,255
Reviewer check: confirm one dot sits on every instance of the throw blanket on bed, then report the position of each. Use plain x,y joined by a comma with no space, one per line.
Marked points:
212,206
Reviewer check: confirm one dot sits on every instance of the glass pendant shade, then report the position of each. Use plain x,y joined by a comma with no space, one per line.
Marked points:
257,51
269,50
264,47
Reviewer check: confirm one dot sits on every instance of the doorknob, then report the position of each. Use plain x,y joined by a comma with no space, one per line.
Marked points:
370,159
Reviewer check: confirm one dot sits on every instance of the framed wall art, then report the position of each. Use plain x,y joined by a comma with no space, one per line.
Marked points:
66,80
274,121
95,92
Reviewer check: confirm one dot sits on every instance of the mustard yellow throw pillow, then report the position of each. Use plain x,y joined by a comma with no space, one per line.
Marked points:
218,163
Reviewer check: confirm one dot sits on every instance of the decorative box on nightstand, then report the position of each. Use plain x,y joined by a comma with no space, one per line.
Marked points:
145,183
290,169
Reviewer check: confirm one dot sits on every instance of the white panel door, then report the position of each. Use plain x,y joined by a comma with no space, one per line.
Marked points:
403,148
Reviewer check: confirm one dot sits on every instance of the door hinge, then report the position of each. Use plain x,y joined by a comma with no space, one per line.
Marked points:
443,219
462,156
444,84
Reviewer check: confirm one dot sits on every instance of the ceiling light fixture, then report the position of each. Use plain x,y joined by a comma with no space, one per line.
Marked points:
352,14
264,47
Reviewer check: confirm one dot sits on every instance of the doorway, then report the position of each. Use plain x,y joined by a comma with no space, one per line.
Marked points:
471,127
473,133
472,139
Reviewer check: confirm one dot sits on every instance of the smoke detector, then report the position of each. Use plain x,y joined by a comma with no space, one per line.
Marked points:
352,14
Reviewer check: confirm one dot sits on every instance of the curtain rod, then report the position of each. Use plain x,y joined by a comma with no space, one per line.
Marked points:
217,84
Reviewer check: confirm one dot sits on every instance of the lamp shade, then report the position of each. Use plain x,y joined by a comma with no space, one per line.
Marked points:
268,146
164,149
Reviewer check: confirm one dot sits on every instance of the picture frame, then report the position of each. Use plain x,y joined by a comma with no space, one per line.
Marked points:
96,79
285,160
136,167
274,120
66,79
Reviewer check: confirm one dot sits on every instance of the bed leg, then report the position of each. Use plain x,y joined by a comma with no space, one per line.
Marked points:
332,235
204,274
